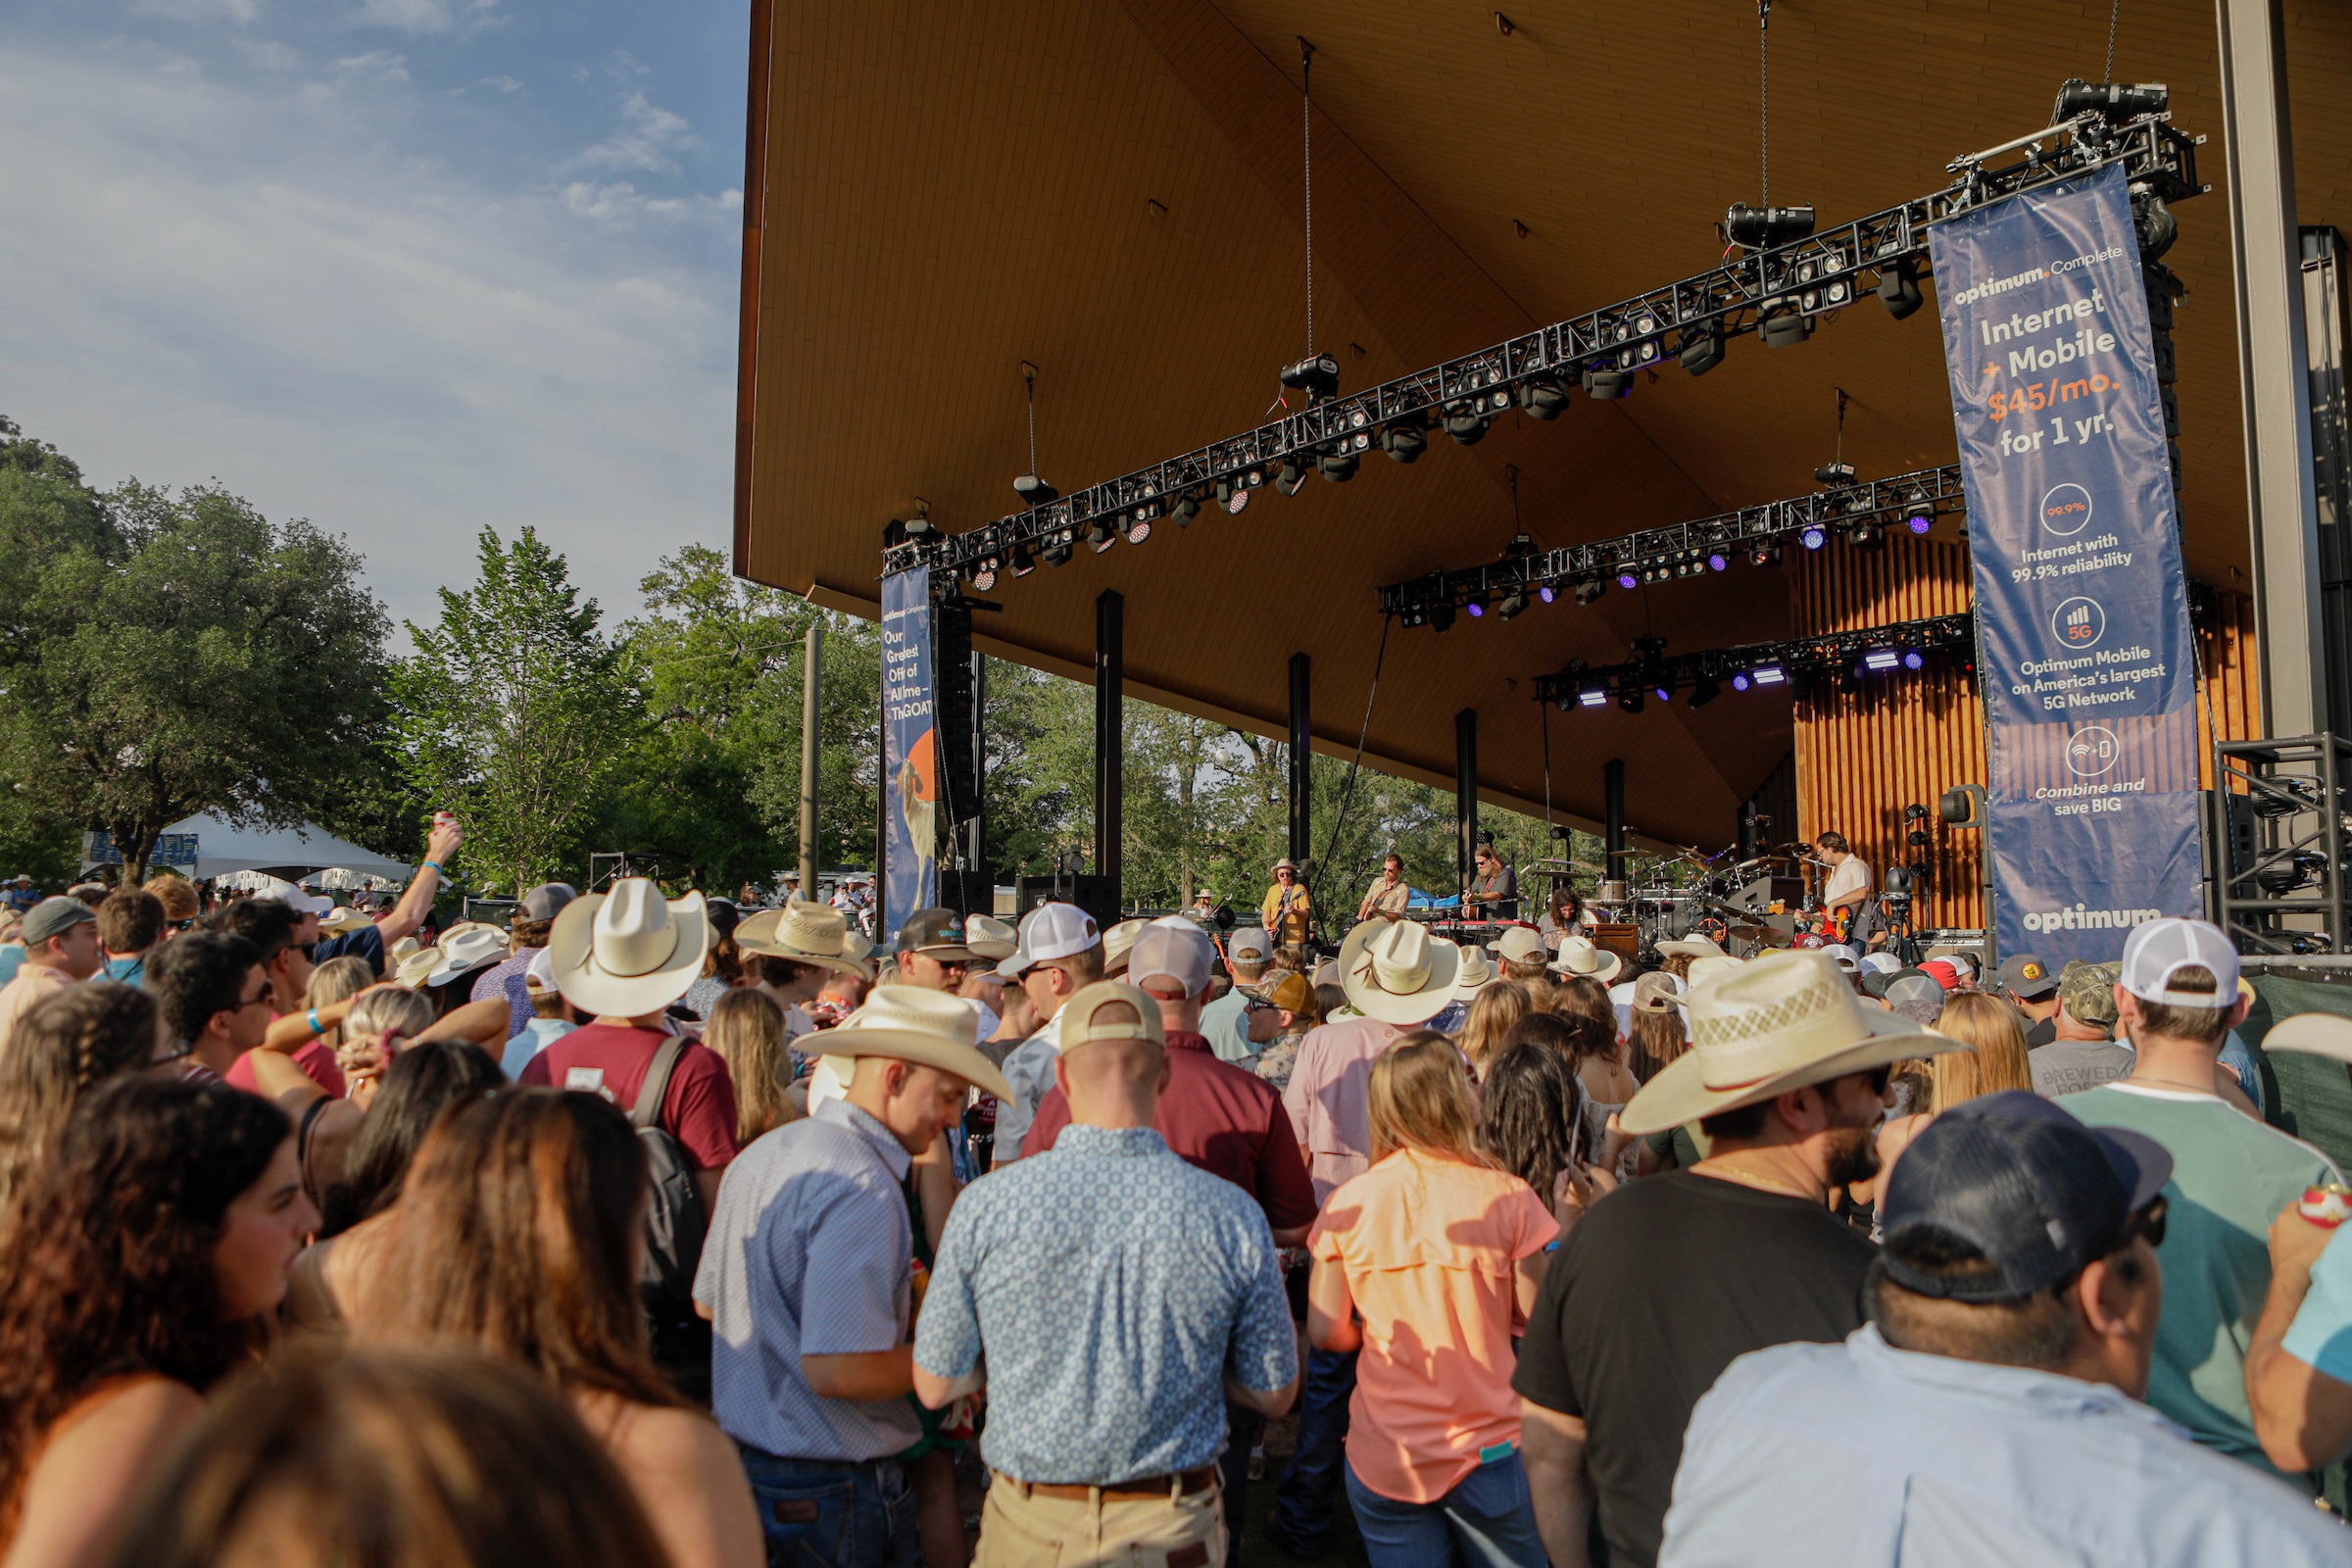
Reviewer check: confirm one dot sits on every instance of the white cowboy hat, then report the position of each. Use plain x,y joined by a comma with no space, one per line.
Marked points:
1578,956
804,933
917,1024
1118,942
990,938
1395,971
2312,1034
1779,1022
1475,976
1696,947
465,949
1709,965
412,969
629,952
342,921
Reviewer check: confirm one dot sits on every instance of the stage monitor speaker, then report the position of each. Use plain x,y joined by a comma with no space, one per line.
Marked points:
1097,896
968,892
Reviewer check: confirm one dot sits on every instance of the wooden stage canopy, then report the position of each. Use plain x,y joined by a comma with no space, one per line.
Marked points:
1110,190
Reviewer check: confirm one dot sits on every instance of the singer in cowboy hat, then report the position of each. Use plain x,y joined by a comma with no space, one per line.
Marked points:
808,1274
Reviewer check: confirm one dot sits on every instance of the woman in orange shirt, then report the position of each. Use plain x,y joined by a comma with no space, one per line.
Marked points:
1439,1254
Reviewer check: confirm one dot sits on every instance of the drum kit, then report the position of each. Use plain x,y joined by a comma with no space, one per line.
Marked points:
1746,906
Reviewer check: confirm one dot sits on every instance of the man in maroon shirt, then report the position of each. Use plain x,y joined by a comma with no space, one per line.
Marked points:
1224,1120
624,958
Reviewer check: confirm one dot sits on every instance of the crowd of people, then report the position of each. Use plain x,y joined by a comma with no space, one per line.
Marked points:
656,1229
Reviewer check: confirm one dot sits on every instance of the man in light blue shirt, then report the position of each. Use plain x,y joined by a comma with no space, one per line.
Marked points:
1989,1413
1110,1298
1249,954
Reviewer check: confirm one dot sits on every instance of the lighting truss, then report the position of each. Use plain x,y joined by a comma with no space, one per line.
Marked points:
1683,549
1825,271
1797,661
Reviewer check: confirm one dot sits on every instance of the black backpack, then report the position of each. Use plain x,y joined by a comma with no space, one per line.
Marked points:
674,1226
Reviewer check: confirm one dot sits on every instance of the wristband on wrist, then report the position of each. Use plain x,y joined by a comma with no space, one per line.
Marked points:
316,1028
434,866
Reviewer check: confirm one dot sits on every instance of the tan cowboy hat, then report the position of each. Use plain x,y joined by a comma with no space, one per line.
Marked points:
403,950
1519,944
1286,864
1779,1022
1117,943
1696,947
990,938
917,1024
416,967
1578,956
1395,971
465,949
342,921
629,952
1708,966
1476,974
803,933
2312,1034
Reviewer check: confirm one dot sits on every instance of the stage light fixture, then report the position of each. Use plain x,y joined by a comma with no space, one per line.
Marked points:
1882,659
1627,581
1404,441
1784,326
1317,376
1915,813
1912,659
1476,609
1592,697
1832,476
1607,381
1511,604
1100,536
1767,553
2114,100
1741,681
1187,506
1034,491
1543,397
1898,289
1139,522
2154,222
1702,348
1813,538
1801,683
1762,227
1631,700
1717,560
984,575
1590,590
1058,552
1340,466
1441,616
1465,425
1864,536
1770,675
1291,477
1548,593
1703,691
1024,561
1919,512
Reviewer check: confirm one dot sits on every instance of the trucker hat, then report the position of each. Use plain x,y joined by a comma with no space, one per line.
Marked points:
1050,931
2027,977
546,901
1172,948
936,934
54,916
1081,1025
2087,991
1250,945
1287,989
1843,957
2016,1178
2158,950
1521,943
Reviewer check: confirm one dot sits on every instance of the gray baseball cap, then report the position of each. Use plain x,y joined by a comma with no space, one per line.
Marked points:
1250,945
55,916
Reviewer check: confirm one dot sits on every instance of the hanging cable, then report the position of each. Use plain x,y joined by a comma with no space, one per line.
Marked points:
1764,103
1840,456
1306,101
2115,11
1029,375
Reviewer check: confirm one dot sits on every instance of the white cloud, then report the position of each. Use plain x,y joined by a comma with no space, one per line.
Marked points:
272,56
205,282
647,139
240,12
381,64
426,16
504,86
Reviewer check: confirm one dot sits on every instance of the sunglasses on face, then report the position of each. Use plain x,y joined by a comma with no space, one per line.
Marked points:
308,951
2148,1224
1254,1004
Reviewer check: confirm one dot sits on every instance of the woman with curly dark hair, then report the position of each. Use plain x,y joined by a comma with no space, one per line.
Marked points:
517,1232
1532,1111
147,1258
61,1050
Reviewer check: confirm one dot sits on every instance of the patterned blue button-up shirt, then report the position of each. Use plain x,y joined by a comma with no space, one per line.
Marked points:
1110,1285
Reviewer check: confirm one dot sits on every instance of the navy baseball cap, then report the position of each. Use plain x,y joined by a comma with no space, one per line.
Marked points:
2018,1179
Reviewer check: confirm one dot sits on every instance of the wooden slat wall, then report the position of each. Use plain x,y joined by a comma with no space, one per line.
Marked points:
1903,740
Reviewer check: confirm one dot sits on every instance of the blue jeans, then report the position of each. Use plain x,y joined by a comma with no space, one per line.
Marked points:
827,1514
1487,1520
1310,1486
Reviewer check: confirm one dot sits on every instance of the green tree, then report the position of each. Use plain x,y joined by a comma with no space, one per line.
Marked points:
513,714
169,654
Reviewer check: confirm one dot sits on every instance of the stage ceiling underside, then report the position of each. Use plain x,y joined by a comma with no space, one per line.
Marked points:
1110,190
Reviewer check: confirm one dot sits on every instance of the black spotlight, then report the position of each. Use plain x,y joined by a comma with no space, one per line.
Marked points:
1766,554
1703,691
1405,440
1034,491
1543,397
1831,476
1607,381
1099,535
1918,838
1784,326
984,575
1185,508
1865,536
1630,698
1056,553
1590,590
1317,376
1800,683
1898,291
2155,224
1291,477
1762,227
1511,604
1441,616
1915,813
1337,466
1702,348
2115,100
1024,561
1467,426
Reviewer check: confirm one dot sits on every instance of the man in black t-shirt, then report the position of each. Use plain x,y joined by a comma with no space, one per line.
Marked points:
2032,987
1666,1283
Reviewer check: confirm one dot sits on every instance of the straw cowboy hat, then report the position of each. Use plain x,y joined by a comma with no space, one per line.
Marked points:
917,1024
990,938
1395,971
629,952
1696,947
1118,942
2312,1034
1578,956
403,950
413,970
1779,1022
1475,976
465,949
1709,966
803,933
1286,864
341,921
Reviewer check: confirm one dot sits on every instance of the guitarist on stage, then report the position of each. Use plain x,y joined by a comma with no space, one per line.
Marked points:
1849,887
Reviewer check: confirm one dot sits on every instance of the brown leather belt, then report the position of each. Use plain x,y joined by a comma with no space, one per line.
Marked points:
1140,1490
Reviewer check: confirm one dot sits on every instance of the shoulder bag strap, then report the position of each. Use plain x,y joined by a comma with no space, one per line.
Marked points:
650,1093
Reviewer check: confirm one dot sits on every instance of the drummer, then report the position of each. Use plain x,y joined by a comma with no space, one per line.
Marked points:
1493,893
1286,906
1390,897
1566,917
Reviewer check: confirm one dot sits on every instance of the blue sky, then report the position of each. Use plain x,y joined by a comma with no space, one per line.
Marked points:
402,266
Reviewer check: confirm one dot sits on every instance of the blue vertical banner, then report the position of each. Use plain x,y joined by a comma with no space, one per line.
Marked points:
2084,641
910,753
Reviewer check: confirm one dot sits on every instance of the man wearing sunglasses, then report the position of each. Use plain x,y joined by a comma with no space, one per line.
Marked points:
1990,1411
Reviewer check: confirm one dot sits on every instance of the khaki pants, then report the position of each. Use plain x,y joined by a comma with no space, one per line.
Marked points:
1019,1531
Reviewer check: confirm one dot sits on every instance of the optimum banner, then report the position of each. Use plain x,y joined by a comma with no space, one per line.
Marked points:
910,753
2082,606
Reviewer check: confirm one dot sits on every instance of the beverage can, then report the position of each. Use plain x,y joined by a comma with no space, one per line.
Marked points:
2328,1204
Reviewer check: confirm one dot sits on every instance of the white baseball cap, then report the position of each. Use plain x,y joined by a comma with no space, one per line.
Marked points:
2157,950
1172,948
1051,931
1846,957
1883,963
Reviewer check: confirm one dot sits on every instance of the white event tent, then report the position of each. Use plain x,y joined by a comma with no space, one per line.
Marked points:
206,846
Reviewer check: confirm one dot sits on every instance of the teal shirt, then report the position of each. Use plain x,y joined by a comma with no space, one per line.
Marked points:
1226,1024
2231,1175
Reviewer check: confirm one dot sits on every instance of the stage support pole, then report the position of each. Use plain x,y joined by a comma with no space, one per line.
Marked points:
1465,794
1111,736
1612,819
2274,372
1301,752
975,846
812,670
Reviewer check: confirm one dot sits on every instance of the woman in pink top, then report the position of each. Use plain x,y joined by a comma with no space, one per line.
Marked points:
1428,1263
